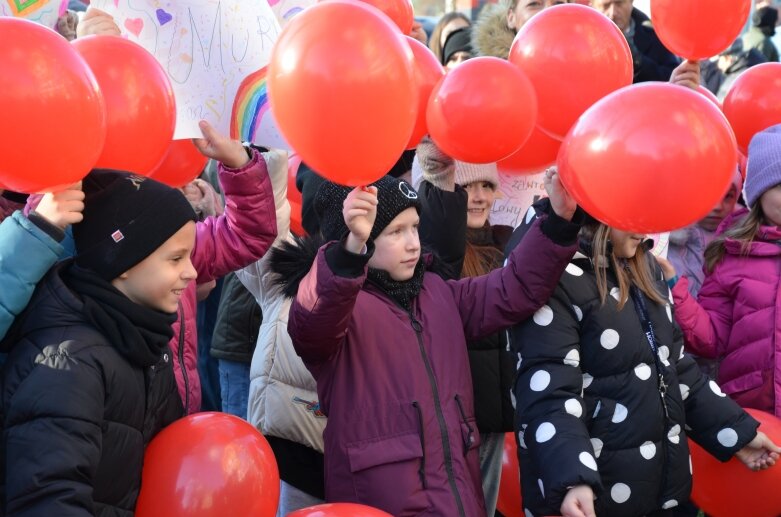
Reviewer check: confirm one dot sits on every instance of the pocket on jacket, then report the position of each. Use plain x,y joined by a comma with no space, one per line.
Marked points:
385,473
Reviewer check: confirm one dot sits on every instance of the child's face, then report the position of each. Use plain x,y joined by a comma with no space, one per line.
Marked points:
624,243
481,198
158,281
771,205
397,248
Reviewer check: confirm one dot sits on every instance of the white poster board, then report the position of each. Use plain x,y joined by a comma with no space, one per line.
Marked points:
216,53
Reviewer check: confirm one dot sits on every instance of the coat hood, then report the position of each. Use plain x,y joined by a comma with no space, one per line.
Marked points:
490,35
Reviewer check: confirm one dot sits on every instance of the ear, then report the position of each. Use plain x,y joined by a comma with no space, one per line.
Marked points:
511,19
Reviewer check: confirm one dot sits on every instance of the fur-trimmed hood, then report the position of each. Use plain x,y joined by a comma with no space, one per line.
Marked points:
490,35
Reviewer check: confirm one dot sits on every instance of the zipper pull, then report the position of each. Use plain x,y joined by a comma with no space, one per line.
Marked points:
663,395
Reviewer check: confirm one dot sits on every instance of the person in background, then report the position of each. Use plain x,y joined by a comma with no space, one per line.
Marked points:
652,60
458,48
763,28
448,23
498,24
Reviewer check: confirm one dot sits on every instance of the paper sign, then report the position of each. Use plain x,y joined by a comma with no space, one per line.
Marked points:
518,193
286,9
216,53
44,12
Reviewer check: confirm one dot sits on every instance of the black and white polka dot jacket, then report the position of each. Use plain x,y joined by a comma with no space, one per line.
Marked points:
589,409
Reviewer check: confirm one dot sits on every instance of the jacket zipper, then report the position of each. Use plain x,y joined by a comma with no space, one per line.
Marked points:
418,328
422,469
470,430
181,362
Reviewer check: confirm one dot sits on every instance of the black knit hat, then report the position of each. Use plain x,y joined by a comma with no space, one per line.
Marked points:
393,197
457,41
126,218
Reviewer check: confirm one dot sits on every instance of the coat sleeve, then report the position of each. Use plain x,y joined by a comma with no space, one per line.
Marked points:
550,410
247,228
716,421
707,323
252,275
26,254
443,226
321,311
510,294
52,434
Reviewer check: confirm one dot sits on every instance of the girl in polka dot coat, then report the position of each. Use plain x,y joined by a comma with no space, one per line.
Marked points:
605,396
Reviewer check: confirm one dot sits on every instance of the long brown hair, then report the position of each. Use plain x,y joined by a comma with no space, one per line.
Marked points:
434,42
636,270
745,231
480,260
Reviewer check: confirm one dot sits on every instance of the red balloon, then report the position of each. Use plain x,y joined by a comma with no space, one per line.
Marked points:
181,164
699,29
209,465
729,489
482,111
341,87
399,11
509,502
539,152
339,510
53,121
649,158
573,56
753,104
428,73
709,95
139,103
742,164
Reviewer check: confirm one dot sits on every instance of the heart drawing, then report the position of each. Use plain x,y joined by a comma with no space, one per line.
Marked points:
163,17
134,25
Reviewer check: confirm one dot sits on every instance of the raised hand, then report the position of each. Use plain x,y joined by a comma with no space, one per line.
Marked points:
96,23
360,211
687,74
219,147
562,203
63,208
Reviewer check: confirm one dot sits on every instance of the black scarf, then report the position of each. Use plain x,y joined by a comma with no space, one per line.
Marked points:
404,292
138,333
483,236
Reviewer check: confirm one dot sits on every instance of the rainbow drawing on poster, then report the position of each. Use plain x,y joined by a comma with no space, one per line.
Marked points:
44,12
249,106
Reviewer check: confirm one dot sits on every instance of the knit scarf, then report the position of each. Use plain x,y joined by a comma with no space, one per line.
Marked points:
138,333
404,292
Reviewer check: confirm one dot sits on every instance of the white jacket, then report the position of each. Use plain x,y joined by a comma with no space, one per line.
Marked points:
283,398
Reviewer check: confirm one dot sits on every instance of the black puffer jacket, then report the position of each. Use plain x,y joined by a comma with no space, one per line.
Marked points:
444,230
76,414
589,409
238,323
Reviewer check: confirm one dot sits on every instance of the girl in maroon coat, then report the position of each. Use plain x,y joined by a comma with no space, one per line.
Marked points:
385,340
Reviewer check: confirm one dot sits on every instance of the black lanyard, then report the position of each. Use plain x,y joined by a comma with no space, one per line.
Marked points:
648,328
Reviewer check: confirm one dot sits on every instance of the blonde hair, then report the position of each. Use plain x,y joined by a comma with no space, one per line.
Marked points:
635,271
434,42
745,231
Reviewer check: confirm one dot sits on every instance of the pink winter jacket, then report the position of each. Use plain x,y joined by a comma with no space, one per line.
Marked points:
738,318
223,244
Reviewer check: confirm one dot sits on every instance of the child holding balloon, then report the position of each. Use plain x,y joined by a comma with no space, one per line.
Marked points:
386,343
89,378
605,396
733,317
